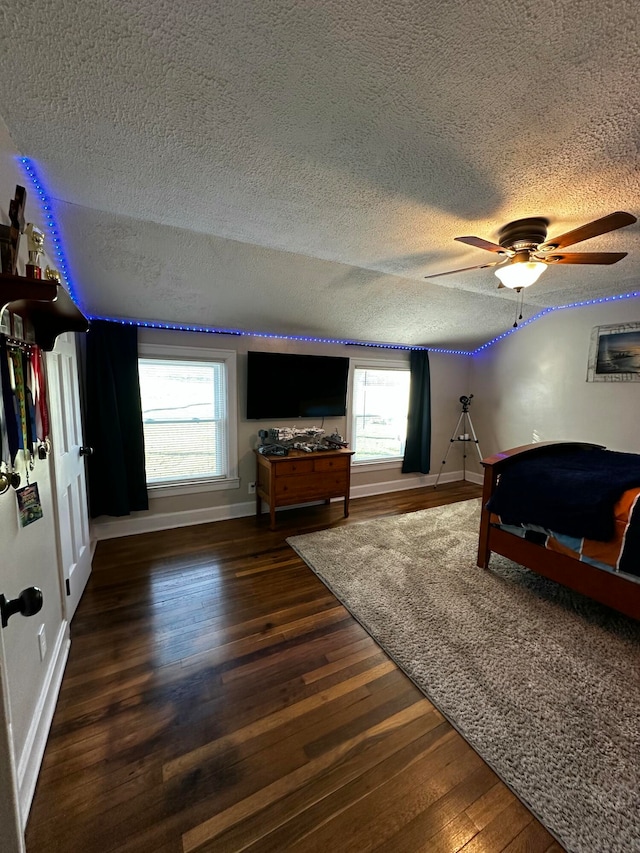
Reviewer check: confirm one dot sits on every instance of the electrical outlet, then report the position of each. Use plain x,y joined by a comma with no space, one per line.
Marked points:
252,488
42,642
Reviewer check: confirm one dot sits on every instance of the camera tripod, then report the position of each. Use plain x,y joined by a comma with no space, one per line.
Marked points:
466,425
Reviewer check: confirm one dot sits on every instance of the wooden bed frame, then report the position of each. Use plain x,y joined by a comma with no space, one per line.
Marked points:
613,590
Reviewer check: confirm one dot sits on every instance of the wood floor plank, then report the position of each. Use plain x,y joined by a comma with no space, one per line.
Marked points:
331,647
534,838
218,698
500,831
236,775
443,825
278,718
491,804
281,822
378,811
296,780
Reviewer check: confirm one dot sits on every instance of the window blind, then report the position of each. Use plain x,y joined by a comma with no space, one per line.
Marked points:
380,405
184,417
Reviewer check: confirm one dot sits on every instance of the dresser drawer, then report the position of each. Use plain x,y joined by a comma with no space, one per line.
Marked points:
331,463
287,467
300,489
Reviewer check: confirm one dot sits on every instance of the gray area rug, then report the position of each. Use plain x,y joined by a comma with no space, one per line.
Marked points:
542,682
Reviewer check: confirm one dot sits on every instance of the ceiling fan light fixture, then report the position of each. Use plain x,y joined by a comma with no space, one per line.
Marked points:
520,272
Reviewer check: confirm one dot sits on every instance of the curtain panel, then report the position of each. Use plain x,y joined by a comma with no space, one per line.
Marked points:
117,477
417,454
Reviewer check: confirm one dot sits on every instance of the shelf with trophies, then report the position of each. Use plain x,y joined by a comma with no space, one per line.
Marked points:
36,300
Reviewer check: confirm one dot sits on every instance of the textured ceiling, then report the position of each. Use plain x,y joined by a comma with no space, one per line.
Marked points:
300,167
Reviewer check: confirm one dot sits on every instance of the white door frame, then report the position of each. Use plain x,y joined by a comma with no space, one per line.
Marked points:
69,475
10,817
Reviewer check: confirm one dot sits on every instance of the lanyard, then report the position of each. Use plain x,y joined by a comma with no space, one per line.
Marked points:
24,413
39,389
8,405
5,453
21,403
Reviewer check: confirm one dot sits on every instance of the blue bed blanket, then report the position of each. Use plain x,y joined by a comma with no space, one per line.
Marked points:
573,492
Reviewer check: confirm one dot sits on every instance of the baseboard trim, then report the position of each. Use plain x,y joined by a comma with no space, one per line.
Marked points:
142,523
472,477
131,525
369,489
36,740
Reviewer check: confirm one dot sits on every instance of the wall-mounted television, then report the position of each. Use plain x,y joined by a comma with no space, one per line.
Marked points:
288,385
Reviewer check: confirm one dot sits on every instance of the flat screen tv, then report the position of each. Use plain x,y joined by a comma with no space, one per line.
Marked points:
287,385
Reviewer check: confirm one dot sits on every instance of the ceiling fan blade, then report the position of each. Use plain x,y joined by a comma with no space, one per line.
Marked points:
479,243
584,258
591,229
464,269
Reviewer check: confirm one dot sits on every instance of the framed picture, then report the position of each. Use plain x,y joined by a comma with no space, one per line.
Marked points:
614,353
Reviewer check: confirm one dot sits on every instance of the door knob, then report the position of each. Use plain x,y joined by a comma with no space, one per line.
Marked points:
28,603
86,451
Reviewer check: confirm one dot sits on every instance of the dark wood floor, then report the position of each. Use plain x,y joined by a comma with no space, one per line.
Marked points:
219,698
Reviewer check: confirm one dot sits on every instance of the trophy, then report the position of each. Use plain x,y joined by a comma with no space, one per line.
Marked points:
35,242
52,274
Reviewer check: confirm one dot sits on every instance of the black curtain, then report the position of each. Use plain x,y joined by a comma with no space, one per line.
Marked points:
117,477
417,453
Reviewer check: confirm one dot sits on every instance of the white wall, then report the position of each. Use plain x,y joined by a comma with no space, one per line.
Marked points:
532,385
28,557
449,379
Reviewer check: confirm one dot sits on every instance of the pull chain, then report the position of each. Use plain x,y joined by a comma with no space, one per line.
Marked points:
520,302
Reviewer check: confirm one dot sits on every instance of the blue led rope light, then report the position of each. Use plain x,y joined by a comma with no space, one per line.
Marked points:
52,227
599,301
56,239
239,332
178,327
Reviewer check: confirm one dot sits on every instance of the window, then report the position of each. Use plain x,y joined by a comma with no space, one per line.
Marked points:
380,402
188,400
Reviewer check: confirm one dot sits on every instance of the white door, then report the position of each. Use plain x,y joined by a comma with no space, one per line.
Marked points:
69,470
12,840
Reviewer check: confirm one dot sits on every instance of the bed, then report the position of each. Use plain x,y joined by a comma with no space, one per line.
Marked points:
551,532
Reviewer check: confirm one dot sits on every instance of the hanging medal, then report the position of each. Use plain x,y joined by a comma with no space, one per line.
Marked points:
5,453
30,410
28,497
20,396
10,441
38,387
4,449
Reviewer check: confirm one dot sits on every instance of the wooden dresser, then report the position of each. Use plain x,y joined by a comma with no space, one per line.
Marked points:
302,478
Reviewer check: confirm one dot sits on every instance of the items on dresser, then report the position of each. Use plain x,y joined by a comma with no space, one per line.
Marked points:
278,441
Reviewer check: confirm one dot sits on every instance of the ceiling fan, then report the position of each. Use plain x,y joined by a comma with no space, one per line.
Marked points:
525,252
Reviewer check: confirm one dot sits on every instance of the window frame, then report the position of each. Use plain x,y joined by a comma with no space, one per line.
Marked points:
370,364
231,480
